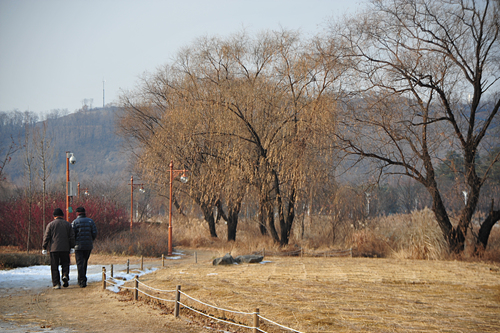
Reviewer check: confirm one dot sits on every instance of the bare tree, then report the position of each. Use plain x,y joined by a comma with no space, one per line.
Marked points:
45,158
238,112
427,76
6,153
29,173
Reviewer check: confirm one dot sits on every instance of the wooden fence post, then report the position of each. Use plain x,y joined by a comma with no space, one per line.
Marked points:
104,278
256,321
177,300
142,263
162,260
136,290
111,271
128,265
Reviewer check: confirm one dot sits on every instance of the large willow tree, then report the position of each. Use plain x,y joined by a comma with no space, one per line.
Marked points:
240,114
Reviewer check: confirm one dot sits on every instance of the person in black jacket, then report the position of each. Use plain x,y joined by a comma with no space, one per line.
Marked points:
59,238
85,234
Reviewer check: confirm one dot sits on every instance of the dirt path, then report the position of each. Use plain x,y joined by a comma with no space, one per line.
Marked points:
89,310
75,309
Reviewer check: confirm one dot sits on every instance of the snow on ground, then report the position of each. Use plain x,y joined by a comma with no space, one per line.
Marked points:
38,277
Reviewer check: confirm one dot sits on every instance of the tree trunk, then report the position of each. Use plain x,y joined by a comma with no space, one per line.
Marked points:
232,224
484,231
454,237
270,222
177,207
220,211
262,217
286,222
232,220
208,215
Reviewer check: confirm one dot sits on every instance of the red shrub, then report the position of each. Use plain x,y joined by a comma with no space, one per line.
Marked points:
109,217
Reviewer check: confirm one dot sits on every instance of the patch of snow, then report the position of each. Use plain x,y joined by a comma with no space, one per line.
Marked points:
39,277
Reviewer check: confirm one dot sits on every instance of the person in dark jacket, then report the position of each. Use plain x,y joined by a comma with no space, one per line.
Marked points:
60,239
85,234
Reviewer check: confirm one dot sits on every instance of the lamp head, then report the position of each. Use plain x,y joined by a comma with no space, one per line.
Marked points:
72,159
184,179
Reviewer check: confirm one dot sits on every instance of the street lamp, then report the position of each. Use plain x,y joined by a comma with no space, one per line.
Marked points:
132,199
70,189
86,193
183,179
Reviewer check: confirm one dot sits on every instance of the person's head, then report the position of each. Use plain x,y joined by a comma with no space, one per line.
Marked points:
80,211
58,213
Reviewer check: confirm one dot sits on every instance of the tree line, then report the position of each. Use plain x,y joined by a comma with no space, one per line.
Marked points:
277,119
32,165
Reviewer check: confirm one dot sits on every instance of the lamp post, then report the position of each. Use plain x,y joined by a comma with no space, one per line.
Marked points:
70,158
132,200
86,193
184,179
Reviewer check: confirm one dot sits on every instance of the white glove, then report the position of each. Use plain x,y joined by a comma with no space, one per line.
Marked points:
44,251
72,251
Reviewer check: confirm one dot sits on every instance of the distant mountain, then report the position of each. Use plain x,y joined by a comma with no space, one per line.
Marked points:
89,135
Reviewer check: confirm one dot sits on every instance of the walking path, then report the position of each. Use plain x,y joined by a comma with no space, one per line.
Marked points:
29,304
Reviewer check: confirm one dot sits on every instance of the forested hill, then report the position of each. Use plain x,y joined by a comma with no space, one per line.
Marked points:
90,135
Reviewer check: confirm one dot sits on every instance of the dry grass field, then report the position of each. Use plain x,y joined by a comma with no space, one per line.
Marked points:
343,294
396,291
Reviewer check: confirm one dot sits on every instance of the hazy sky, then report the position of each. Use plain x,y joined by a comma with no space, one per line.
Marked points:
56,53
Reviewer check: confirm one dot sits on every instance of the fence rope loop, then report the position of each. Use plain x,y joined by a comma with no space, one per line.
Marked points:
255,314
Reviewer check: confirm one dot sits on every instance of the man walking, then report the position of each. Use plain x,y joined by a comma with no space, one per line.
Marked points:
59,238
85,234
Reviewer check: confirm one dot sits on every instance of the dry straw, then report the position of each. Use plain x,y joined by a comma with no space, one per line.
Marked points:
314,294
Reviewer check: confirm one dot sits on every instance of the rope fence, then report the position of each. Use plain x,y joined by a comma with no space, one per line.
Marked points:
258,322
255,317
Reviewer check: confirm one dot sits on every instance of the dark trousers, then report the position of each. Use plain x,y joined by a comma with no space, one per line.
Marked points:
82,259
56,259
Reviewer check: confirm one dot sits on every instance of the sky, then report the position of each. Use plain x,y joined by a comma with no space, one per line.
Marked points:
54,54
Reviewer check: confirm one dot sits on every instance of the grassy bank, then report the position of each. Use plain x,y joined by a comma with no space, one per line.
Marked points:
18,259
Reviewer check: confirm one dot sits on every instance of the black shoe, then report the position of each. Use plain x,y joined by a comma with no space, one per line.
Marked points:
65,281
